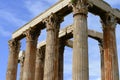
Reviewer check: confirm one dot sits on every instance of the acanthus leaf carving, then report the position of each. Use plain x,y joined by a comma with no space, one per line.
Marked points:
14,45
80,7
53,21
108,20
32,34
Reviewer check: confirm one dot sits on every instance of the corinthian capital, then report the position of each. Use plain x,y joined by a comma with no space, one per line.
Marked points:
32,34
53,21
108,20
80,6
14,45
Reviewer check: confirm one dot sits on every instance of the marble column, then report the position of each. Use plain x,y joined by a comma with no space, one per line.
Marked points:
39,69
102,59
14,47
61,59
50,69
111,71
21,60
80,43
30,54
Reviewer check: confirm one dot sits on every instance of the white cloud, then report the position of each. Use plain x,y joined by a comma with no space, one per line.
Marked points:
98,79
4,32
36,6
10,17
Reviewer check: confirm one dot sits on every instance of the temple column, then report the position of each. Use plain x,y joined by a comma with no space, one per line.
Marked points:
39,69
80,42
102,59
111,71
14,47
30,54
21,60
51,55
21,69
61,59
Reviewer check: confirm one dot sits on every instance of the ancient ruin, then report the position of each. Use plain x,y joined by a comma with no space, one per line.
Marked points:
44,61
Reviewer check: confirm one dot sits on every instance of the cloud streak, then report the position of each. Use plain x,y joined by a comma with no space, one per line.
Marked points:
10,17
36,7
4,32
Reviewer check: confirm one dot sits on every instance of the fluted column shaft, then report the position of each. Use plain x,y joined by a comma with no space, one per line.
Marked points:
111,71
21,59
14,47
30,54
61,59
80,43
21,69
39,69
51,65
102,59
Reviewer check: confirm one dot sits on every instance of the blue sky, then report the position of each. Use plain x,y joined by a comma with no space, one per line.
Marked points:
15,13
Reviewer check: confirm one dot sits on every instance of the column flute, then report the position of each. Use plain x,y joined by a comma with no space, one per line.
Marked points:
30,53
111,71
80,42
14,46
